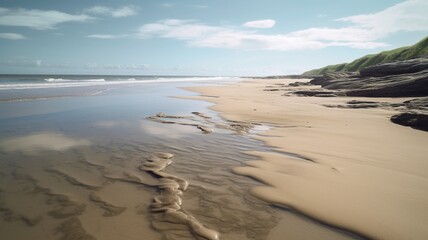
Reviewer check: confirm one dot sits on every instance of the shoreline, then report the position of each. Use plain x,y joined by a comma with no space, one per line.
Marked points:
368,174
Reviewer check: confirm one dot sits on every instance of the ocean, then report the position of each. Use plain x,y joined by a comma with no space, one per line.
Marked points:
23,87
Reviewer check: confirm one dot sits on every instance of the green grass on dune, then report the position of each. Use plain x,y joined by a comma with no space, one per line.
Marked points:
404,53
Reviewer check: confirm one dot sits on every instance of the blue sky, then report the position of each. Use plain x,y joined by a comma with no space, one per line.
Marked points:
200,37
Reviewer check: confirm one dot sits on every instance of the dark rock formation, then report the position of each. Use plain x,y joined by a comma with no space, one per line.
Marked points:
333,77
403,85
319,93
407,78
298,84
289,77
398,79
417,104
362,104
411,119
394,68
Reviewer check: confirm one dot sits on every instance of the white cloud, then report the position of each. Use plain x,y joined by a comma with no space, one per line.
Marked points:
107,36
167,5
38,19
124,11
112,66
23,62
336,34
12,36
117,66
360,45
410,15
266,23
201,35
199,6
175,28
137,66
363,32
20,62
3,10
91,65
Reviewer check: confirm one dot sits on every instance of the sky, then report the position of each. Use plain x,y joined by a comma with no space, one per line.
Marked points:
200,37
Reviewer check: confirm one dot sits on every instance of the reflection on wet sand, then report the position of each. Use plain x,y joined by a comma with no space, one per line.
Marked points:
41,141
176,132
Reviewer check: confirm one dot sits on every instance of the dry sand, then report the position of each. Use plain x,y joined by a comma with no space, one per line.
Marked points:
362,172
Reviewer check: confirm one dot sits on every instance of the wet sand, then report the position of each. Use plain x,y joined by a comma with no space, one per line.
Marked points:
351,168
90,167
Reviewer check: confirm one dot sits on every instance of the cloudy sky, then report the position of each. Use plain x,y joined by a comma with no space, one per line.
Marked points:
200,37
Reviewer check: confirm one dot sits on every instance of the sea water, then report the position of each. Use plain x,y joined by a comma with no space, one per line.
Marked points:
22,87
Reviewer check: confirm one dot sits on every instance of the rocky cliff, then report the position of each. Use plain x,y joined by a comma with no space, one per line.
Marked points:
396,79
408,78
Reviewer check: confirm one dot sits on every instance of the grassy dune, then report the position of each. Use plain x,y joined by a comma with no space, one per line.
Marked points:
419,49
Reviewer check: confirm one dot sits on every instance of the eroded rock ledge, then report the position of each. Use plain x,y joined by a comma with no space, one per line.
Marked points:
396,79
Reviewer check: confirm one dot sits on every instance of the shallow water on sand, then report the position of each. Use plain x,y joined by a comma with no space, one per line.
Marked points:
70,169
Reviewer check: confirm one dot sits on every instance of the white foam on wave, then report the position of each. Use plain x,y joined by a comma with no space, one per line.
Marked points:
74,80
63,83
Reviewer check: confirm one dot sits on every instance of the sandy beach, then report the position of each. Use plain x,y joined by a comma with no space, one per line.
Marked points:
214,120
264,164
350,168
130,162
